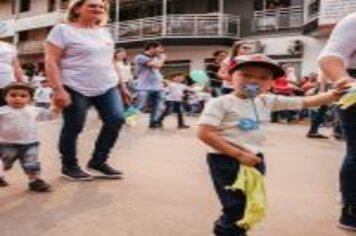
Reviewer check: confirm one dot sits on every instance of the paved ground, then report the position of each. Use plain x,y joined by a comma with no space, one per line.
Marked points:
167,191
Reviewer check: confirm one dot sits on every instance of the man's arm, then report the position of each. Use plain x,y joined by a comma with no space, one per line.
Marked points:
19,75
158,62
336,55
334,68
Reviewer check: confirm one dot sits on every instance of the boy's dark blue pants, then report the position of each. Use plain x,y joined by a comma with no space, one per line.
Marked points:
223,171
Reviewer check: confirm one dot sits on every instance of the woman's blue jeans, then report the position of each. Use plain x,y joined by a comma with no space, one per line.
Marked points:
348,169
110,109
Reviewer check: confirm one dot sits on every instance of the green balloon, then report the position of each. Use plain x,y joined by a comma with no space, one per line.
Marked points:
199,76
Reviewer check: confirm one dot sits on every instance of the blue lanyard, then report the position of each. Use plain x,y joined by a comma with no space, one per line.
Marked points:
255,110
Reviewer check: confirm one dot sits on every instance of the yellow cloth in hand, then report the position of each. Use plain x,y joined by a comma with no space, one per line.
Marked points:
348,99
250,182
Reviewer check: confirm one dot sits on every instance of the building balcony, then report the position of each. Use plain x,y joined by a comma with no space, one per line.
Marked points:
177,26
30,47
27,21
278,19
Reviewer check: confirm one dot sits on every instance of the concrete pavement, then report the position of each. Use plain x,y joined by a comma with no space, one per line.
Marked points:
166,190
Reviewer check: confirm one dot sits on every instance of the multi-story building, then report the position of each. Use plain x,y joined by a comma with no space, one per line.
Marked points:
26,24
292,31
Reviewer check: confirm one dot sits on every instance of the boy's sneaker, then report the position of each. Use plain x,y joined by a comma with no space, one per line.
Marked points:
105,171
156,126
3,183
39,185
183,126
317,135
348,219
75,173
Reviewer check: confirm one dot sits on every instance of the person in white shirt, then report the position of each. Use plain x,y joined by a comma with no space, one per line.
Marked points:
80,66
174,100
43,95
37,79
339,55
239,48
233,126
10,69
18,133
124,67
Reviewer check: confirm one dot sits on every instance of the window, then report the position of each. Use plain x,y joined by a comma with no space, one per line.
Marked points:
260,5
25,5
213,6
24,36
51,5
170,67
175,7
64,4
13,7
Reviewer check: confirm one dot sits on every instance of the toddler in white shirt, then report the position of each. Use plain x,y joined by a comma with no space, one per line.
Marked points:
18,133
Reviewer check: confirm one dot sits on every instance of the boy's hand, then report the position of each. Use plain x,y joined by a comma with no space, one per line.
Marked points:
249,159
341,83
341,90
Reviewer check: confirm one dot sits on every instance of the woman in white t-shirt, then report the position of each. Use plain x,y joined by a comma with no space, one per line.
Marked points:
338,56
80,67
10,69
240,48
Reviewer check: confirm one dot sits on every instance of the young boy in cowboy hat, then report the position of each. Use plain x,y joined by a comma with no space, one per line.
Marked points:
233,126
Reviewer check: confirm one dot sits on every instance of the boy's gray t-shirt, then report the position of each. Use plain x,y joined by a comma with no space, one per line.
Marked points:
148,78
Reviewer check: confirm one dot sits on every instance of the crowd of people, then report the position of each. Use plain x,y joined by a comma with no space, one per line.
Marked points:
245,91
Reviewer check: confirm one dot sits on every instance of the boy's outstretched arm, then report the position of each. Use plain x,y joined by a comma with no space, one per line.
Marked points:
325,98
209,135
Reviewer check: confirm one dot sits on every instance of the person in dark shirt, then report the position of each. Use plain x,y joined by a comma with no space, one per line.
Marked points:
212,71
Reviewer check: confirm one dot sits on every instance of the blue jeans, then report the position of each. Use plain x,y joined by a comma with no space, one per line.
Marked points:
110,109
176,107
318,120
348,169
154,98
27,154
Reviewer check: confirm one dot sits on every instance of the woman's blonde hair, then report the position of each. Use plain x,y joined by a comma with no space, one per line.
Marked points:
72,16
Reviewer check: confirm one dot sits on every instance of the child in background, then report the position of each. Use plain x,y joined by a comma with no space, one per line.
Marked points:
174,99
43,95
18,133
233,126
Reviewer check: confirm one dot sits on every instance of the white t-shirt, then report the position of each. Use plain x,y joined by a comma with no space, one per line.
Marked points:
36,80
225,113
87,63
7,56
43,95
125,71
19,126
176,91
342,42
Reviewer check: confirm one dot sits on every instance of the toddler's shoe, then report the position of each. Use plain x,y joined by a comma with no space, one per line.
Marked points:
3,183
39,185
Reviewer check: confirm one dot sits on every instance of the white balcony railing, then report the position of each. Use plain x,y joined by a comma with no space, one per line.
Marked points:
185,25
30,47
278,19
28,21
